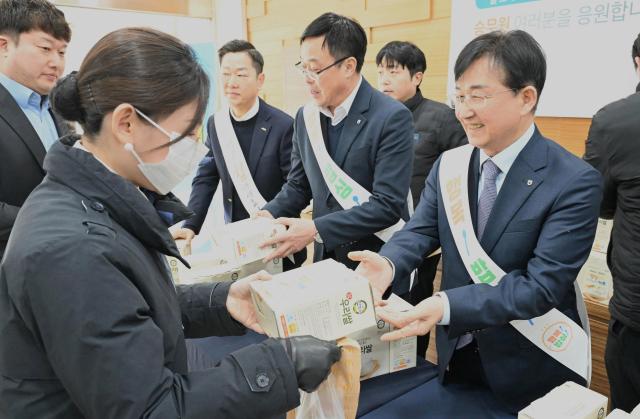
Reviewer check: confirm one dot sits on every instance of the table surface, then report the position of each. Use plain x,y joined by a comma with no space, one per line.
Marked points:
415,393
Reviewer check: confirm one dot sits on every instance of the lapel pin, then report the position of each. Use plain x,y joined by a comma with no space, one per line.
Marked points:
263,129
529,182
358,121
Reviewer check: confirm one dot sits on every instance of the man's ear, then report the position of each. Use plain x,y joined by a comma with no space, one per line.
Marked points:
417,78
350,65
529,96
5,42
261,78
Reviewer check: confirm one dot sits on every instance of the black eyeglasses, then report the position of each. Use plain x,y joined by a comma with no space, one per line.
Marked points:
315,75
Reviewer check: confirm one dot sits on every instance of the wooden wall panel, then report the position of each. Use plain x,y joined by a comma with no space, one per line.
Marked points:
193,8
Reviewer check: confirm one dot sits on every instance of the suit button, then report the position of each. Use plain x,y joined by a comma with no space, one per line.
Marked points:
228,199
97,206
262,380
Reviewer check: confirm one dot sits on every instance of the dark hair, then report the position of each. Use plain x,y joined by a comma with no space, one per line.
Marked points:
19,16
517,53
149,69
343,37
404,54
238,45
635,51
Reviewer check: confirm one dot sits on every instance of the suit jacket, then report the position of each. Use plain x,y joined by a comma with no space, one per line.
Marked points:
269,162
613,147
376,150
540,233
436,131
22,154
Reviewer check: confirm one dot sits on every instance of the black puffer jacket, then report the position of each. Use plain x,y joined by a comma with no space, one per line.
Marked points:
91,324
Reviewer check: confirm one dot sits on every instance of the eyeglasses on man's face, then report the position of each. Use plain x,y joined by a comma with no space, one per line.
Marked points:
315,74
474,101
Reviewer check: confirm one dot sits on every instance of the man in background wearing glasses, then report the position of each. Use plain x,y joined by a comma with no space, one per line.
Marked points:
365,140
515,215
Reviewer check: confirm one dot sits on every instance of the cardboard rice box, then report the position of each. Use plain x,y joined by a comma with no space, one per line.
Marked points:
378,357
326,300
205,268
567,401
240,241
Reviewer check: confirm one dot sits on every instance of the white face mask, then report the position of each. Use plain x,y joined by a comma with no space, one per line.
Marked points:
182,159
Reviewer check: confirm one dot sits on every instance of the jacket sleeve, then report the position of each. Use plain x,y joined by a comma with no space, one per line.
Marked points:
8,214
108,353
203,186
296,192
286,145
418,237
391,178
597,156
447,134
562,247
204,311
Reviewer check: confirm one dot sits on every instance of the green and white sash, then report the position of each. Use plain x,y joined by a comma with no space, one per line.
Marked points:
250,196
344,189
239,171
554,332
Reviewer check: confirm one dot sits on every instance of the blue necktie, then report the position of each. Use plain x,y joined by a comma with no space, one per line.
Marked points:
488,194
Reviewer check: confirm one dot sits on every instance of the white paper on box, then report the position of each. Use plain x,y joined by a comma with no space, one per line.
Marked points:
567,401
240,241
326,300
603,235
378,357
595,278
620,414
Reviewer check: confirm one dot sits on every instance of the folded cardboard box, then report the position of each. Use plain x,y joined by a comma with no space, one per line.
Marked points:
240,241
567,401
209,263
209,269
378,357
326,300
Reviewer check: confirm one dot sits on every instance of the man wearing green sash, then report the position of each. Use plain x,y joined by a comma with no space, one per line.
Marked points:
515,215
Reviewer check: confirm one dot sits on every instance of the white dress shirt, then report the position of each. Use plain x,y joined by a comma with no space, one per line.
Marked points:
250,114
343,109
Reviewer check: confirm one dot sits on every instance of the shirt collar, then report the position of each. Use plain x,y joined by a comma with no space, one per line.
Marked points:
343,109
23,96
504,159
247,116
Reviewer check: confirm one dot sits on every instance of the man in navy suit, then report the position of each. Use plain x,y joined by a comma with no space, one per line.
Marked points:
263,133
534,208
368,137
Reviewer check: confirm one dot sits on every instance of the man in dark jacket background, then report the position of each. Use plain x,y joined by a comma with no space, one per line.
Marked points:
613,147
401,66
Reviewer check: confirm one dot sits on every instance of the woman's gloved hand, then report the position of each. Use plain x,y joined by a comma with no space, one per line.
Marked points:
312,359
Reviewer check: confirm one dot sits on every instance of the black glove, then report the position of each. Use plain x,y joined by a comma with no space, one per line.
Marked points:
312,359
